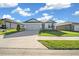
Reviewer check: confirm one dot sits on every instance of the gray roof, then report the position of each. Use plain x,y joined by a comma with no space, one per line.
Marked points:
38,21
65,23
32,21
9,20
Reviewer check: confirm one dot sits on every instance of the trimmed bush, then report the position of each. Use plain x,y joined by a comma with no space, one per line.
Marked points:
18,28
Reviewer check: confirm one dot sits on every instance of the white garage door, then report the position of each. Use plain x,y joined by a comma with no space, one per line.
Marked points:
33,26
76,28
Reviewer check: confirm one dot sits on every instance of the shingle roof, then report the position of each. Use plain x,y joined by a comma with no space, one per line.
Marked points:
32,21
38,21
66,23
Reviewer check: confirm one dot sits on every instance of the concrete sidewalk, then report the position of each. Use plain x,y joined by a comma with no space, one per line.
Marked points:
36,52
57,38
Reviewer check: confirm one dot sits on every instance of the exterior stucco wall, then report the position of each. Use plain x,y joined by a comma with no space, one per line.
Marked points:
48,26
7,25
76,27
13,25
65,27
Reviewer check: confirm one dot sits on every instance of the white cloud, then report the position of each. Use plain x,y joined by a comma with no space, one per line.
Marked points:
18,21
8,16
27,9
76,13
45,14
8,4
60,21
45,17
23,12
54,6
36,11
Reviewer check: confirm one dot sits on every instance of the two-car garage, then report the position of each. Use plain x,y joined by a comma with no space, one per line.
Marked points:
33,26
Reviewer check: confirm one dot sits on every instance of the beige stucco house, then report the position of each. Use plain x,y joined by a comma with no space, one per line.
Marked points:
71,26
10,23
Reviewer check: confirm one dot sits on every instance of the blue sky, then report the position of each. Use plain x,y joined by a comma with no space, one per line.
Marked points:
41,11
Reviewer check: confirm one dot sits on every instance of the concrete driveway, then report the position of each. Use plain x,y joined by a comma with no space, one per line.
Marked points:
25,39
26,33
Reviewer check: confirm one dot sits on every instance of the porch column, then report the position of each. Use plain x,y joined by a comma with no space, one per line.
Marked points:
52,26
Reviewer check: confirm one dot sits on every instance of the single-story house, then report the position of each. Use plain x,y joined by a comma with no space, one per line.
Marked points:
34,24
71,26
10,23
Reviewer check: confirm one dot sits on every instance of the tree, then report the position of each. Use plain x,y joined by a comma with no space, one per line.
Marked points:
1,22
18,28
3,26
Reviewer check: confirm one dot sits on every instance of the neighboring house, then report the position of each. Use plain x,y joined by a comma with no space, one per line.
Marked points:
34,24
10,23
71,26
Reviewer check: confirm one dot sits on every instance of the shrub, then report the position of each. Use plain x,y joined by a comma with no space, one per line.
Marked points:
18,28
3,26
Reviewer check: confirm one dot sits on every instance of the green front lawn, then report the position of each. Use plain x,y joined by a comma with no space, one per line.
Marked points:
1,32
8,31
58,33
59,44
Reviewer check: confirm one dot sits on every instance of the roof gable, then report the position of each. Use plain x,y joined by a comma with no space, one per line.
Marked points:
32,21
37,21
